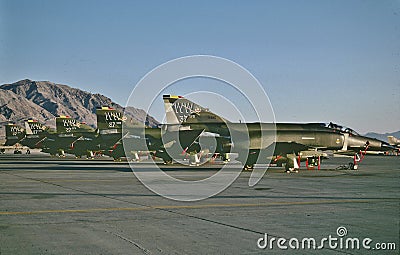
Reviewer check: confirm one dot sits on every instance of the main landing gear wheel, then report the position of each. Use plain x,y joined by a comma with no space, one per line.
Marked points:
353,166
248,168
168,162
289,169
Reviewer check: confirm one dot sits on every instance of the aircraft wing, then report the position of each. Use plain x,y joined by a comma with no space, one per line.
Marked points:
284,148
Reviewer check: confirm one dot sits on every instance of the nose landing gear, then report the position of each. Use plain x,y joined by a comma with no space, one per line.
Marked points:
359,157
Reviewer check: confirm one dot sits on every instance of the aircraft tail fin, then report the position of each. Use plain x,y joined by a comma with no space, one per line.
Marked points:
180,110
109,120
33,127
14,134
66,124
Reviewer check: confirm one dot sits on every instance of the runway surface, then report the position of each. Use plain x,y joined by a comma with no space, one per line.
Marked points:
65,206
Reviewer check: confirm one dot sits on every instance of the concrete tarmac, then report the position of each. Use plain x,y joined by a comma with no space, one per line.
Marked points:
67,206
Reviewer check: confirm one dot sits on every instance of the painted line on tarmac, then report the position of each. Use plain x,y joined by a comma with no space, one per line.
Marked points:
186,207
66,180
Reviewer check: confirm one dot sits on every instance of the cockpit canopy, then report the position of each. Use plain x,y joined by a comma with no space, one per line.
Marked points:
343,129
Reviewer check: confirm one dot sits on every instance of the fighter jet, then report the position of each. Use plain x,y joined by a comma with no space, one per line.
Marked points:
354,142
35,134
178,112
293,142
136,137
68,130
114,141
110,136
107,134
394,141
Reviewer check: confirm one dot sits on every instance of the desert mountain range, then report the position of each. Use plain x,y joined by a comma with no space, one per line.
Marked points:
45,100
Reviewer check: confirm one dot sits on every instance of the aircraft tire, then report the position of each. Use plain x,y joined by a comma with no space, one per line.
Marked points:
248,167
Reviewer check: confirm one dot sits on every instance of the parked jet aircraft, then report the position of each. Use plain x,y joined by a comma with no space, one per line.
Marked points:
194,126
393,141
396,143
107,134
70,136
107,139
79,139
35,134
68,130
138,137
110,137
291,138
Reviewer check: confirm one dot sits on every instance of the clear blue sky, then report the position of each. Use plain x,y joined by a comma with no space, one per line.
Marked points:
318,60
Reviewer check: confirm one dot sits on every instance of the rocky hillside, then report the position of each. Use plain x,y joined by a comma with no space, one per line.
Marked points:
383,137
44,100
